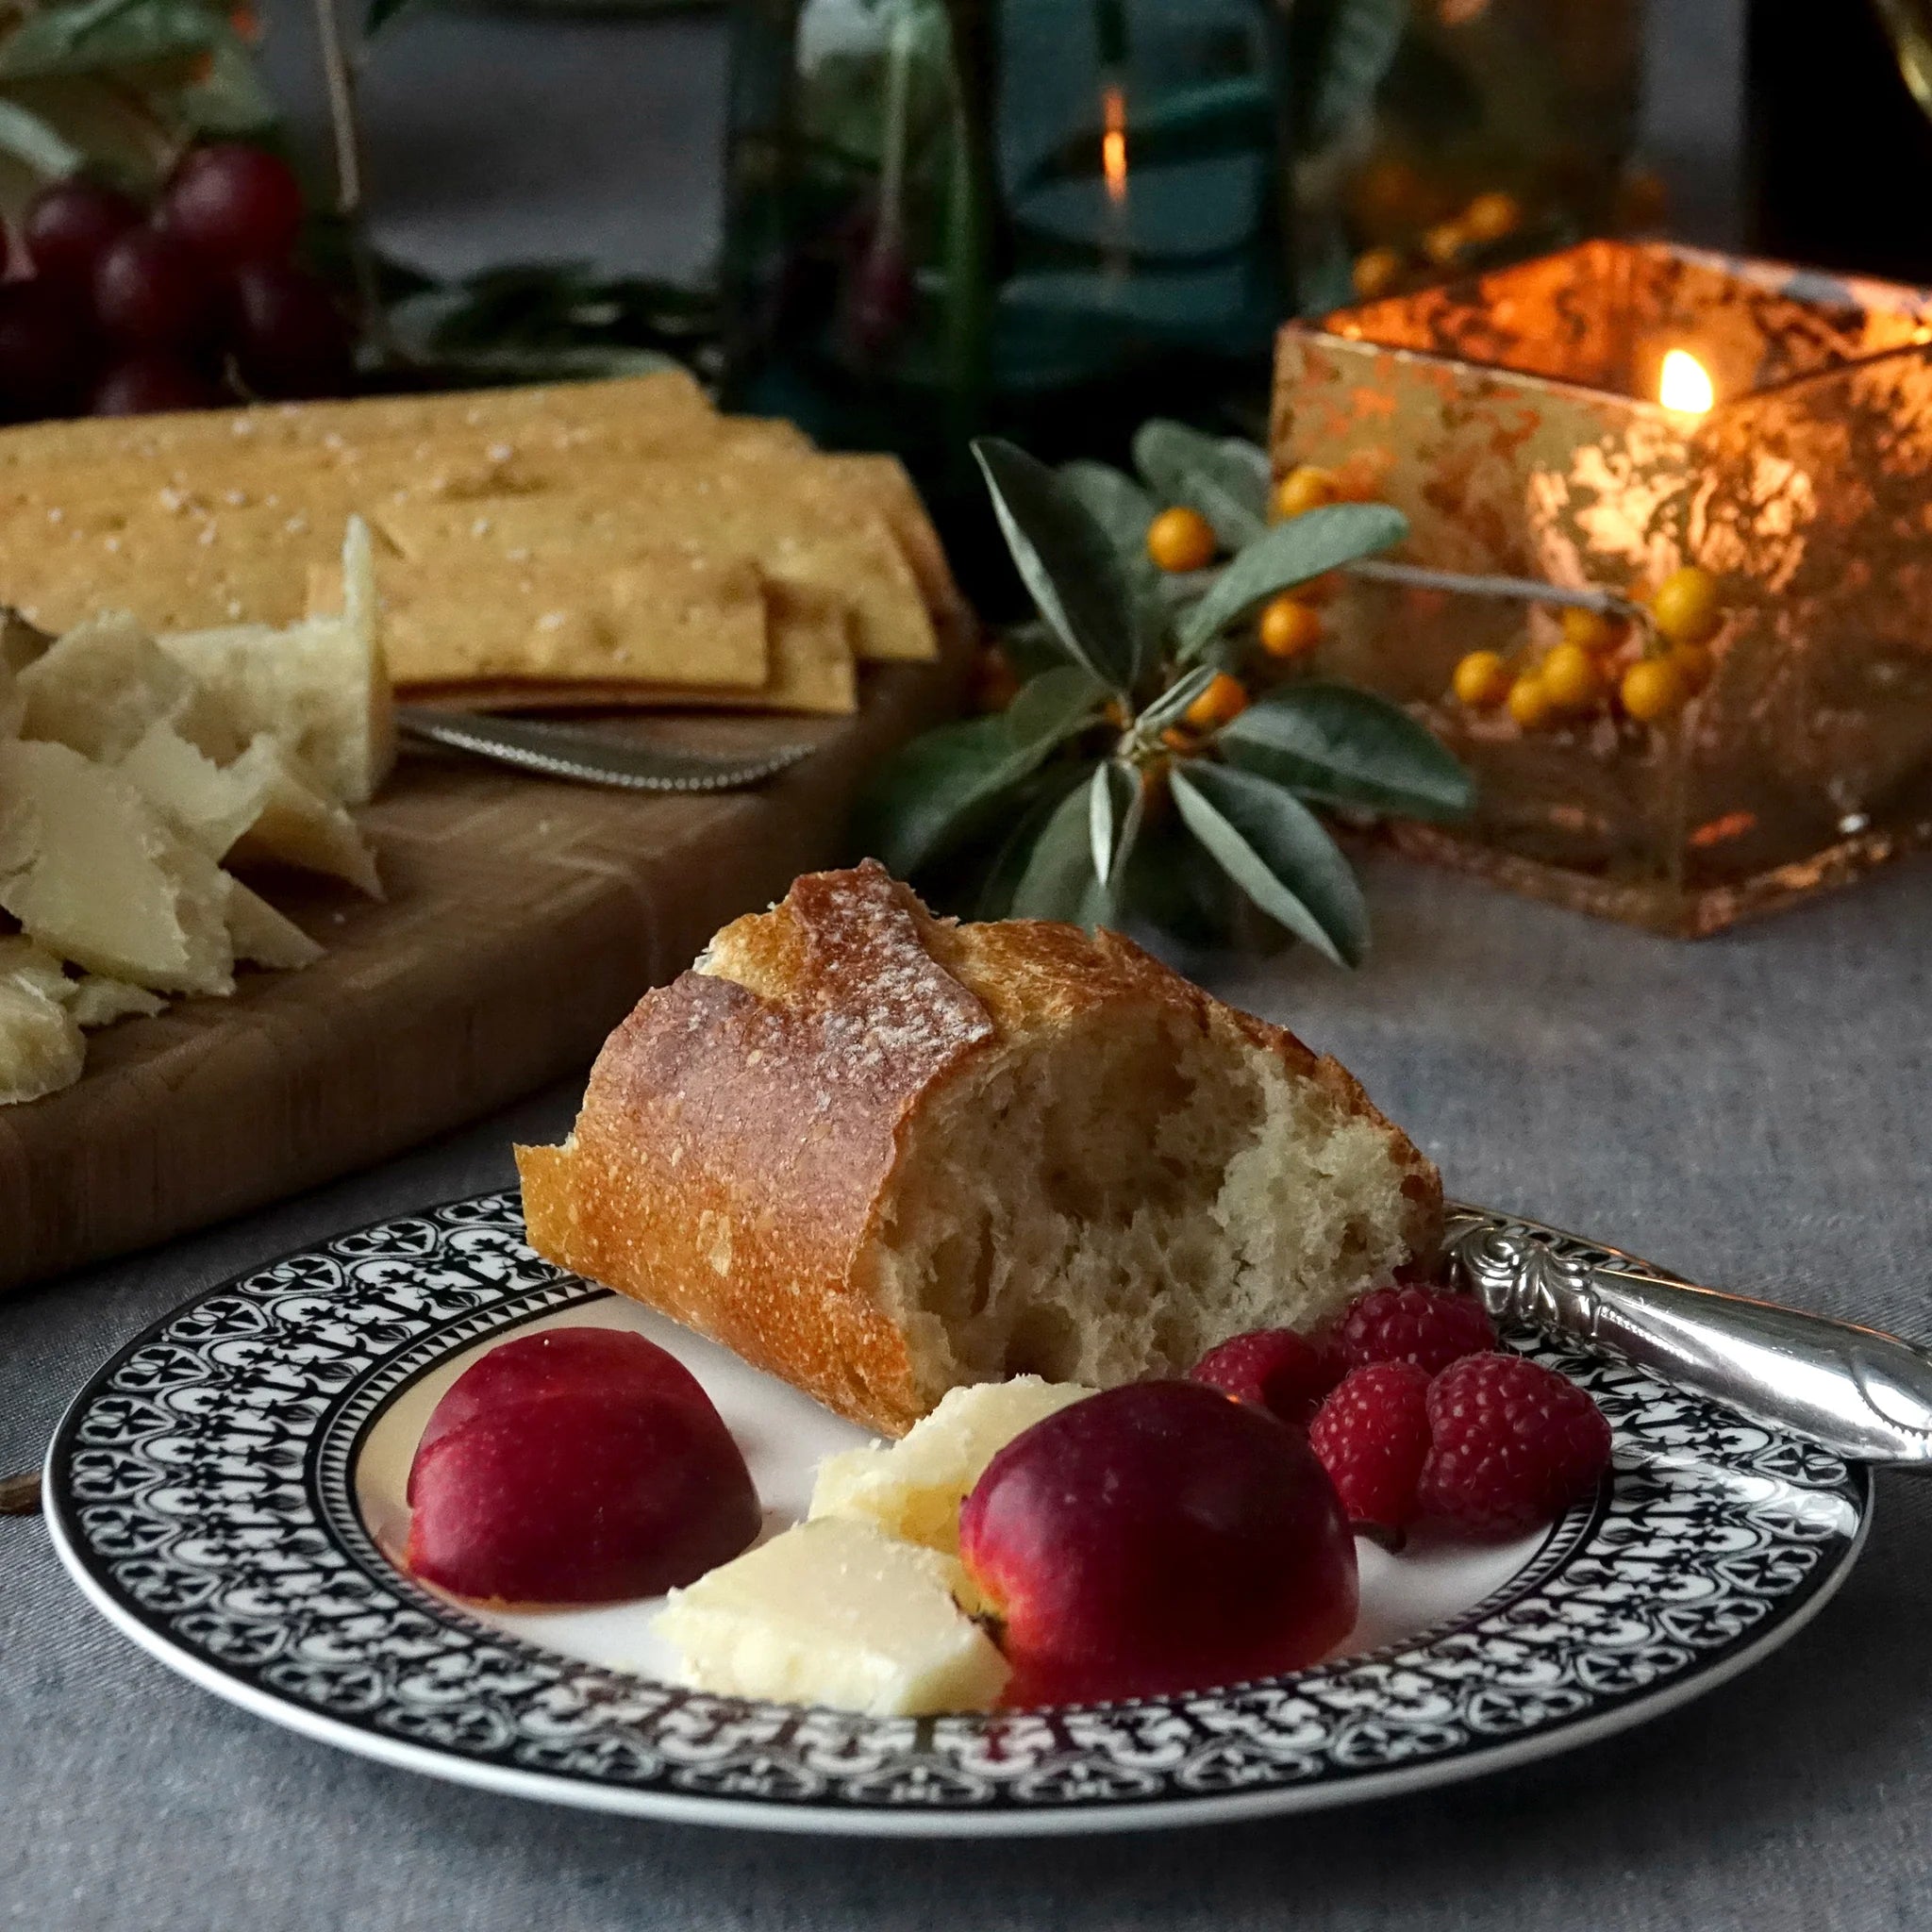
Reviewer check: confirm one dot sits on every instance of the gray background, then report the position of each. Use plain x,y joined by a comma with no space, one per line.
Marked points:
1752,1110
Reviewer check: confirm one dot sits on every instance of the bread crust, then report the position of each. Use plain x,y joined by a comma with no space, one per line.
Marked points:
738,1134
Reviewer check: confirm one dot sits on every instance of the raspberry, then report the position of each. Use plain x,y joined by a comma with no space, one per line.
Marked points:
1274,1369
1421,1325
1514,1444
1372,1436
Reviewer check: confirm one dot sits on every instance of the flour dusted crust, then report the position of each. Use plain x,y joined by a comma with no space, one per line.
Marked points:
796,1149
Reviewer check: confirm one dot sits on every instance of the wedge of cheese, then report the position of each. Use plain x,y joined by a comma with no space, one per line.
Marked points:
914,1488
40,1045
833,1613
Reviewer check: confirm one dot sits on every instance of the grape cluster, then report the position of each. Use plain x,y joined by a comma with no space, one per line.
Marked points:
113,310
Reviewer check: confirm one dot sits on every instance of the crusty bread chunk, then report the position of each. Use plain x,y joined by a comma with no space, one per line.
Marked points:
882,1154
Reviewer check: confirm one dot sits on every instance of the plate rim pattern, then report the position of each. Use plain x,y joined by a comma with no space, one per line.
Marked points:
200,1491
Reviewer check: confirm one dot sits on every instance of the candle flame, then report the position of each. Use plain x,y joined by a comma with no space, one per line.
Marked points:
1684,384
1113,141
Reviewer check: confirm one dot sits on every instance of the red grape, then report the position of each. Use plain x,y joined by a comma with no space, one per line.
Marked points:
67,227
43,350
289,337
233,203
149,381
152,290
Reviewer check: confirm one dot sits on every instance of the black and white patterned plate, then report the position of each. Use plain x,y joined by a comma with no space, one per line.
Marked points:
217,1491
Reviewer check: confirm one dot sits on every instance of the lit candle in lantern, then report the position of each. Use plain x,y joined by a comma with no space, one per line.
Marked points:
1113,141
1684,384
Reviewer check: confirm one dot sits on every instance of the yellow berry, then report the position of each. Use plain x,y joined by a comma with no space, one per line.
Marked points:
1685,607
1571,679
1694,666
1591,631
1376,270
1482,681
1176,740
1290,628
1181,539
1223,699
1443,243
1489,217
1653,689
1529,703
1304,488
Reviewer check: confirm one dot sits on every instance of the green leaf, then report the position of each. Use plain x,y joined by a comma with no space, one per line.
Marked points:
42,147
1174,700
97,34
229,99
1119,506
1289,554
941,790
1059,880
1235,116
1066,562
1274,848
1113,818
1346,746
1030,806
1183,465
1360,49
1052,706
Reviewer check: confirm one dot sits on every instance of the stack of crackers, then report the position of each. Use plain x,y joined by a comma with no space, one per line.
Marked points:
606,544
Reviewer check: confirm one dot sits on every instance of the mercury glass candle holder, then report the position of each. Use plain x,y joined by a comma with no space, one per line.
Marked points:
1515,420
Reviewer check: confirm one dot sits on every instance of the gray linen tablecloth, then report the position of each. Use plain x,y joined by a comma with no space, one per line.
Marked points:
1752,1111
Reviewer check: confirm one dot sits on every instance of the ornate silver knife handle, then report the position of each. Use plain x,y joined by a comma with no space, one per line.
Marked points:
1861,1392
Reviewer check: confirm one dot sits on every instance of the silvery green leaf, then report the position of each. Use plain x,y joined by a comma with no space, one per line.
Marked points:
1026,811
87,36
1173,701
1292,553
1346,746
1275,849
1183,465
1053,705
42,147
1113,818
940,791
1066,562
1059,880
1119,505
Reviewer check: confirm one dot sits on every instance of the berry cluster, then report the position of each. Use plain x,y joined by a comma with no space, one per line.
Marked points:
1446,245
1417,1417
1601,667
115,310
1289,626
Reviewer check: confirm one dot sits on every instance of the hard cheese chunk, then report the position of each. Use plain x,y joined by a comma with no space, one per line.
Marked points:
914,1488
41,1048
833,1613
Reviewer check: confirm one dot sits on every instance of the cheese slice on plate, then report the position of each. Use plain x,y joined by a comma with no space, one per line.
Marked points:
914,1488
834,1613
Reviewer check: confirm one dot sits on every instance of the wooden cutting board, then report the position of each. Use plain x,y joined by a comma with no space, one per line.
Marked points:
525,917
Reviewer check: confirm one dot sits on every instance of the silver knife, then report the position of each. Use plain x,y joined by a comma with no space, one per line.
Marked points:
591,757
1860,1392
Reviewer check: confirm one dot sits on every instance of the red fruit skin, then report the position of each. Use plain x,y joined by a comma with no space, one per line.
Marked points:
579,1499
146,384
1158,1537
44,350
233,203
1514,1445
152,290
1276,1369
1429,1327
68,225
290,339
1373,1436
560,1361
